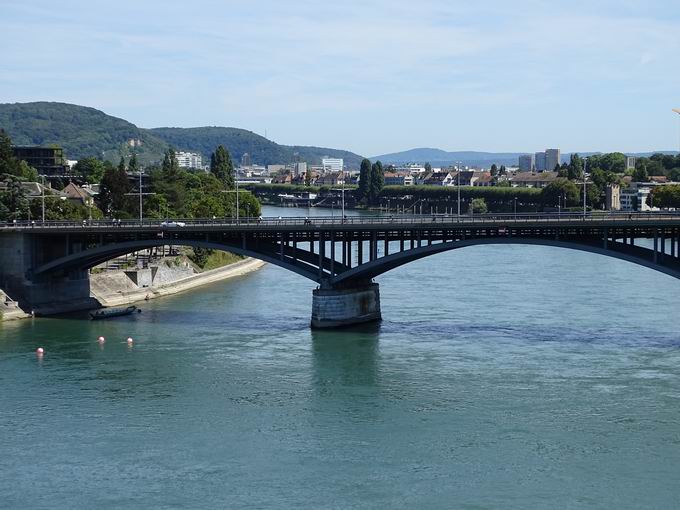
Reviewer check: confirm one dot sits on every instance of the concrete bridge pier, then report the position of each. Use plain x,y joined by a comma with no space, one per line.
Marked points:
355,303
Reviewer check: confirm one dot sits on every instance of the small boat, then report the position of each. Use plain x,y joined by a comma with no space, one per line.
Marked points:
107,313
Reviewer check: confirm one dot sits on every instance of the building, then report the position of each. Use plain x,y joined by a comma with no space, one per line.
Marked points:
274,169
613,197
532,179
527,163
398,179
635,198
189,159
48,161
332,164
440,179
299,168
552,159
78,195
246,160
630,162
539,161
330,179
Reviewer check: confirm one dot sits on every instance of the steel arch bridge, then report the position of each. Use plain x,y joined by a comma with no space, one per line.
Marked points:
344,255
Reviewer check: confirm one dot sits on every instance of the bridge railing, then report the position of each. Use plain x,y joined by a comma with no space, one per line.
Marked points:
318,221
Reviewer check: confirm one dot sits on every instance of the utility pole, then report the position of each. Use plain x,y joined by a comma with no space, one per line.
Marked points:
141,194
343,197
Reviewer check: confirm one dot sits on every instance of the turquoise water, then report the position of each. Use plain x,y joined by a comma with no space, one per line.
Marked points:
501,377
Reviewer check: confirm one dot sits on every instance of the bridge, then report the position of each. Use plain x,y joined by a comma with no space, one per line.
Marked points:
47,261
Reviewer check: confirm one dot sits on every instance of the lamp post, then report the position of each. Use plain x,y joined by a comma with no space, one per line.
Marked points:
43,198
515,206
460,163
585,166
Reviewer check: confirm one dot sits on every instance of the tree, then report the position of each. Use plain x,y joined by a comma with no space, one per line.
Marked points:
222,167
494,170
502,170
560,191
13,200
479,206
308,177
376,182
8,163
575,168
133,166
170,167
91,170
428,167
112,199
364,179
640,174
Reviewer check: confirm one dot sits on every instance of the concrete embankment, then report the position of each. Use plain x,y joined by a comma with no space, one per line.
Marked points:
9,310
122,288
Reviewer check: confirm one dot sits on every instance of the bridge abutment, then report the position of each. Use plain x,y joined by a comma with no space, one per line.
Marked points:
336,308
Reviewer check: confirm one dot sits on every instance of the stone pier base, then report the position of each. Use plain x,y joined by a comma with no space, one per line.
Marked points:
335,308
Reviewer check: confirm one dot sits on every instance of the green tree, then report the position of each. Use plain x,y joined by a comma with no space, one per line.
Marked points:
112,198
479,206
13,200
428,167
91,170
376,182
640,174
559,191
364,180
575,168
665,196
494,170
8,163
308,177
133,165
170,167
222,167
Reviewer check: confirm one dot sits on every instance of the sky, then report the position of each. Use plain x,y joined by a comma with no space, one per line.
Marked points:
371,76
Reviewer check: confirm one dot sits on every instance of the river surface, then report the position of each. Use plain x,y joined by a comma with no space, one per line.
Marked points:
501,377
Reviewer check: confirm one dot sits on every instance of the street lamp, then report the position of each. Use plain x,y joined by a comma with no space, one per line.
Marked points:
585,167
460,163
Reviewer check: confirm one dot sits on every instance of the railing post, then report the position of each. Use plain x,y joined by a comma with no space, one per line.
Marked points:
656,246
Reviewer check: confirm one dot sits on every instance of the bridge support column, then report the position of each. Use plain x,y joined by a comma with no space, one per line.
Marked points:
336,308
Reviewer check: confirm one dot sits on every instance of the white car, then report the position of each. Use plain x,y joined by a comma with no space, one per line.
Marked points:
170,223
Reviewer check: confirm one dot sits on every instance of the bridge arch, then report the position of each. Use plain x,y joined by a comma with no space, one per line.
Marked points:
374,268
91,257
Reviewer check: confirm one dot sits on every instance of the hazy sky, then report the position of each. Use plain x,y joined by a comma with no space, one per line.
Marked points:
370,76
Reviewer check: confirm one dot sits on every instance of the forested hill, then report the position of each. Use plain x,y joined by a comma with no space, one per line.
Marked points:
84,131
239,141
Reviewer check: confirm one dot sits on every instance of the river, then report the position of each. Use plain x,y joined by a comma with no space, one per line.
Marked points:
500,377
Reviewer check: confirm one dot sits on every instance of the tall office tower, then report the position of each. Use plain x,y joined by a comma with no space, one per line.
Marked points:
539,161
526,163
552,159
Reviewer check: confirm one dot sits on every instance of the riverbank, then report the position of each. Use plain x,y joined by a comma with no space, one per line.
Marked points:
126,287
109,290
9,309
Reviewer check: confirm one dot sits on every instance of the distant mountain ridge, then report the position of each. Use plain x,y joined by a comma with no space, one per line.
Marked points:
85,131
438,157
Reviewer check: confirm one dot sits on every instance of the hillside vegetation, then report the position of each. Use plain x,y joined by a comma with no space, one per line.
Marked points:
84,132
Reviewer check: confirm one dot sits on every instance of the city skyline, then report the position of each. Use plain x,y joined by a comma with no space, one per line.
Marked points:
371,78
